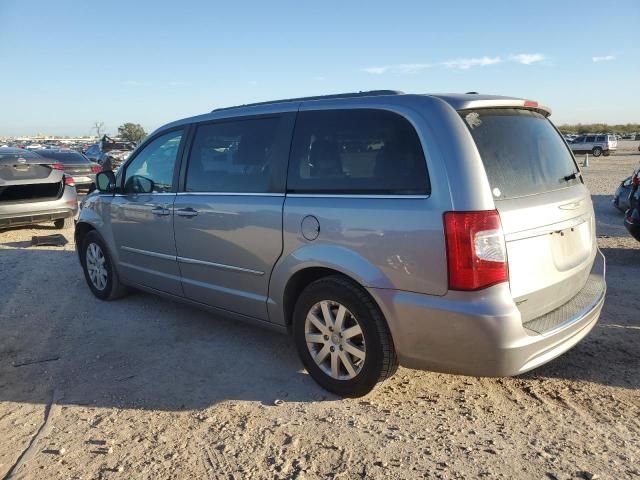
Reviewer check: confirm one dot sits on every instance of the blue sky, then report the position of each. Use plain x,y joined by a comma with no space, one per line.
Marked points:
68,63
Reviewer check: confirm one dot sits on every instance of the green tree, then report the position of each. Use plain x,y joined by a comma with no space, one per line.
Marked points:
131,132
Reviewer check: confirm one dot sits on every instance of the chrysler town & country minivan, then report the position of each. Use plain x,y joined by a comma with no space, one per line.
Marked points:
452,233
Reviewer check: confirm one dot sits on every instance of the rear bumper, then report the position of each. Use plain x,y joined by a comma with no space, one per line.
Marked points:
479,333
30,212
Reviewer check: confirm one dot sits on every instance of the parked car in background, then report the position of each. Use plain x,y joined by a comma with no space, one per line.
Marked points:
594,144
632,216
621,197
34,189
444,232
109,153
75,164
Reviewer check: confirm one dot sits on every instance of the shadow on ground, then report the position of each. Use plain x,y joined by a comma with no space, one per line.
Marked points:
139,352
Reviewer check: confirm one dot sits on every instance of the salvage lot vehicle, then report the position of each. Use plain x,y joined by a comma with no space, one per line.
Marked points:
34,189
632,215
594,144
109,153
461,239
621,196
75,164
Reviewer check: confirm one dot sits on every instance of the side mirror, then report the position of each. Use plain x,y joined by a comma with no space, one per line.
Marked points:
106,181
137,184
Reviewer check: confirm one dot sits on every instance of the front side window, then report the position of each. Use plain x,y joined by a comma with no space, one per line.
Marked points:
359,151
590,139
241,156
151,171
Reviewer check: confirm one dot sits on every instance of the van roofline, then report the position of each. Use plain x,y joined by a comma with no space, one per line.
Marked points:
458,101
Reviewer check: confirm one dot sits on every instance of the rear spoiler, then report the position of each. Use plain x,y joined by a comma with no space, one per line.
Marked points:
470,102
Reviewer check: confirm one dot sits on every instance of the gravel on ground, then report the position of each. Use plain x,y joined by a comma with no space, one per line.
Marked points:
147,388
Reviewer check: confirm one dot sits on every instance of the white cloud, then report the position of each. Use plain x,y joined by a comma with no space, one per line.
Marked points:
527,58
252,82
465,63
606,58
403,68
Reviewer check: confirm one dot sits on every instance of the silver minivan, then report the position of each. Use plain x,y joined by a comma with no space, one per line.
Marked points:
450,233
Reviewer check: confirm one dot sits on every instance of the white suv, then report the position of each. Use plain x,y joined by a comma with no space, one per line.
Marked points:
595,144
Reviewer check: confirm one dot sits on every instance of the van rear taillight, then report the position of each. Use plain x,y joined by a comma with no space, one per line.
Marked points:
476,252
69,181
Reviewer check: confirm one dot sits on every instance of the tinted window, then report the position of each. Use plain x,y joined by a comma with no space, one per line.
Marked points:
600,138
521,151
356,152
155,162
590,139
243,156
579,140
14,155
65,157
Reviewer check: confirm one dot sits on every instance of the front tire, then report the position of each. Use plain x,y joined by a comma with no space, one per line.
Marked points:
342,338
99,270
596,152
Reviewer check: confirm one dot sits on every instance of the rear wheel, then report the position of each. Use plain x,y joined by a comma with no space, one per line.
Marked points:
99,270
62,223
342,338
596,152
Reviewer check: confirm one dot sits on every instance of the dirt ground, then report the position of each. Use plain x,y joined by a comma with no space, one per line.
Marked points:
147,388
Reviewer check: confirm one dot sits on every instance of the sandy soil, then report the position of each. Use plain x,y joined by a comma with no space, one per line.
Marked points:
146,388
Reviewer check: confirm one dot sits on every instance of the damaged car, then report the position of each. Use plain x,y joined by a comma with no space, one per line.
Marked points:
34,189
109,153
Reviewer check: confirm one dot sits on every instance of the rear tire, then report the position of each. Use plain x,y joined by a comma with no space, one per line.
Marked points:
62,223
346,363
596,152
99,269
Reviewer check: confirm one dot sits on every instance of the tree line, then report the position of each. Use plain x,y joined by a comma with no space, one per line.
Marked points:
130,132
582,128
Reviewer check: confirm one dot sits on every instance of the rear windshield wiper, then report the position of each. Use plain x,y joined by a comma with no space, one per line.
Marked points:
573,176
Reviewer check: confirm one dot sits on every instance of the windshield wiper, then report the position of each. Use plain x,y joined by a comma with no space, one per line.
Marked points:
573,176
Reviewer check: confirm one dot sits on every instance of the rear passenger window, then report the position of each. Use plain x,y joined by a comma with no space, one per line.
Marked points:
601,138
590,139
243,156
361,151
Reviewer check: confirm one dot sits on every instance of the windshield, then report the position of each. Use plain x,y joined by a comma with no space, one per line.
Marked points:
66,157
15,155
522,152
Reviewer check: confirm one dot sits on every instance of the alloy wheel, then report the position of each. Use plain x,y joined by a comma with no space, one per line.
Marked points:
96,266
335,340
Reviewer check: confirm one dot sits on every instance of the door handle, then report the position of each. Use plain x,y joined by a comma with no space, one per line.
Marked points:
187,212
160,211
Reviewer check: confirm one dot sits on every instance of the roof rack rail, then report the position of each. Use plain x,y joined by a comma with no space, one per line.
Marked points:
370,93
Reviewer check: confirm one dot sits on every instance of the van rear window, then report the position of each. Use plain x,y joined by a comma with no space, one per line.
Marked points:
522,152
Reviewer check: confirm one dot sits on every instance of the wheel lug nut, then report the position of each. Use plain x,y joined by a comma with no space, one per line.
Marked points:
333,349
326,337
341,347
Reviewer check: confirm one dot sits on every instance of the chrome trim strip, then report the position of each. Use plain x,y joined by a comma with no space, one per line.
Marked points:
352,195
155,194
149,254
229,194
193,261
